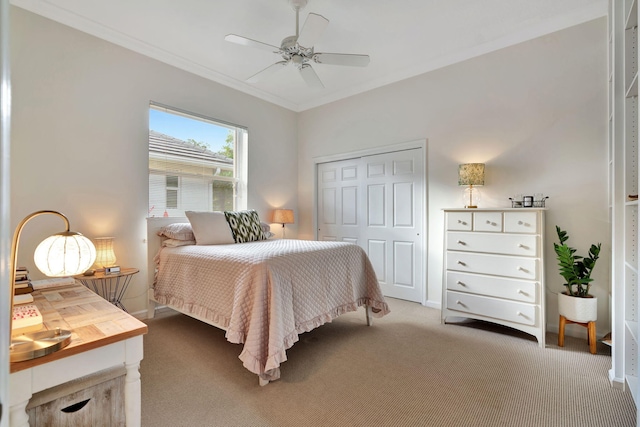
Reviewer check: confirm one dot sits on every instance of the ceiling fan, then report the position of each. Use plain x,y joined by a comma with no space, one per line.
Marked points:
298,50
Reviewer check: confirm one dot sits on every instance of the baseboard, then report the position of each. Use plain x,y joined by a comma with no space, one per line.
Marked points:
617,383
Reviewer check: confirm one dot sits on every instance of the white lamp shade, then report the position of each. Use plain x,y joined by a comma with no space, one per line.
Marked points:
105,257
64,254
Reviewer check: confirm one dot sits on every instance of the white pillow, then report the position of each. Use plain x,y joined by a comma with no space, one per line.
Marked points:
174,243
210,228
178,231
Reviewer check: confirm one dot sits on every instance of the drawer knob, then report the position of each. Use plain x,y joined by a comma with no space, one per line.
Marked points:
458,302
488,222
460,283
520,222
523,269
461,263
521,292
520,245
460,242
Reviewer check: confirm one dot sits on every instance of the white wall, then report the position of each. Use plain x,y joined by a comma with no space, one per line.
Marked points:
535,113
80,134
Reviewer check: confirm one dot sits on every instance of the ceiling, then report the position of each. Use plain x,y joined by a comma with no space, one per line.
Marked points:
403,38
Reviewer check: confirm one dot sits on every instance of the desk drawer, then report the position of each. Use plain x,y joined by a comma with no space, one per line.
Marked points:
499,265
501,287
508,244
510,311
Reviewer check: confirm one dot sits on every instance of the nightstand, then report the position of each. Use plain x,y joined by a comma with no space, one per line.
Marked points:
109,286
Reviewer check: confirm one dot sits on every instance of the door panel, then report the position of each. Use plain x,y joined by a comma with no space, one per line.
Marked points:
403,199
377,202
377,252
350,206
375,205
403,256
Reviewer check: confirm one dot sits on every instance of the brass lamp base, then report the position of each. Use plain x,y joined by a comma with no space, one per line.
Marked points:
471,207
37,344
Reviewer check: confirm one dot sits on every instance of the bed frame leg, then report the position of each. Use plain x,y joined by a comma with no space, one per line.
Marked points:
368,311
151,305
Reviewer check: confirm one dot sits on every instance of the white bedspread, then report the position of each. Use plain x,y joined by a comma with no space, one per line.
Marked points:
267,293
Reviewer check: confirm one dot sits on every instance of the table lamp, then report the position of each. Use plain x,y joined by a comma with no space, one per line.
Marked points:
471,174
283,216
105,257
64,254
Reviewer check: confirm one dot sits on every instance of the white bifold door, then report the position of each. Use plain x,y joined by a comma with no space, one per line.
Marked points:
377,202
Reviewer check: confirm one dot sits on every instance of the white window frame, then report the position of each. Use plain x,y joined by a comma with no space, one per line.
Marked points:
240,163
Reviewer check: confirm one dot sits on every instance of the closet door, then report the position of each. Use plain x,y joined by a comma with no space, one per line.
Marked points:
377,202
393,191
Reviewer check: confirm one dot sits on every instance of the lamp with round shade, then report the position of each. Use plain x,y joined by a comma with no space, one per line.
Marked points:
64,254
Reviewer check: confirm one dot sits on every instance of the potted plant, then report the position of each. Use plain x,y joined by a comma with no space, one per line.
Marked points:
576,303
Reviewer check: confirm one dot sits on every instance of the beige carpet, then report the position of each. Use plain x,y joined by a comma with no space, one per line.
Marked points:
405,370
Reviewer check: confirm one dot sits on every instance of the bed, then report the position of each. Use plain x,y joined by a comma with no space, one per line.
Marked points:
264,294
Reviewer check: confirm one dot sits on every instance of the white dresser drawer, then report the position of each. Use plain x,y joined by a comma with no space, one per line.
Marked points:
508,244
499,265
487,221
511,311
459,221
521,222
513,289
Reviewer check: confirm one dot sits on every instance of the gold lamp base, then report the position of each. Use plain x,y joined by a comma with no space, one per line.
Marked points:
37,344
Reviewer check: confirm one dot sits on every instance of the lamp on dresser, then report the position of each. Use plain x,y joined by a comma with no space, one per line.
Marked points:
60,255
471,174
283,216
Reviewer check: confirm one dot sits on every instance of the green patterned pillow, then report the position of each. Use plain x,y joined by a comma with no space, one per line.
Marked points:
245,226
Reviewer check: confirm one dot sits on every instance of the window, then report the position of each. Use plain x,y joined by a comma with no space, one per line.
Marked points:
172,191
195,163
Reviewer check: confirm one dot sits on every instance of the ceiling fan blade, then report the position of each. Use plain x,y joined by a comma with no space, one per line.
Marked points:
312,30
233,38
342,59
309,75
271,69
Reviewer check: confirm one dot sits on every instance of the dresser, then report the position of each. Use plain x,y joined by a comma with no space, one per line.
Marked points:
95,379
494,267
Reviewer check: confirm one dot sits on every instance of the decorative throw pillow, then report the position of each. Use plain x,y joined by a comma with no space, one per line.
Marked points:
245,226
178,231
210,228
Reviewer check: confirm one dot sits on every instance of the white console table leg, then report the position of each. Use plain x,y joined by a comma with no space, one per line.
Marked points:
18,415
132,384
20,386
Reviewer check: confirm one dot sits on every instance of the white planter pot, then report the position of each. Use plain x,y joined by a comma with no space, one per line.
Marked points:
581,310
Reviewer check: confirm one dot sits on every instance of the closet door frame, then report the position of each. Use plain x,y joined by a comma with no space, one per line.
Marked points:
422,144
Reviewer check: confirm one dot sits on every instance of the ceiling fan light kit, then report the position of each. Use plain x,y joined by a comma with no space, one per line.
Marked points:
298,49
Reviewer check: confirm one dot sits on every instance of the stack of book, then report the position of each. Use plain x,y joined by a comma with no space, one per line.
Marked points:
23,282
